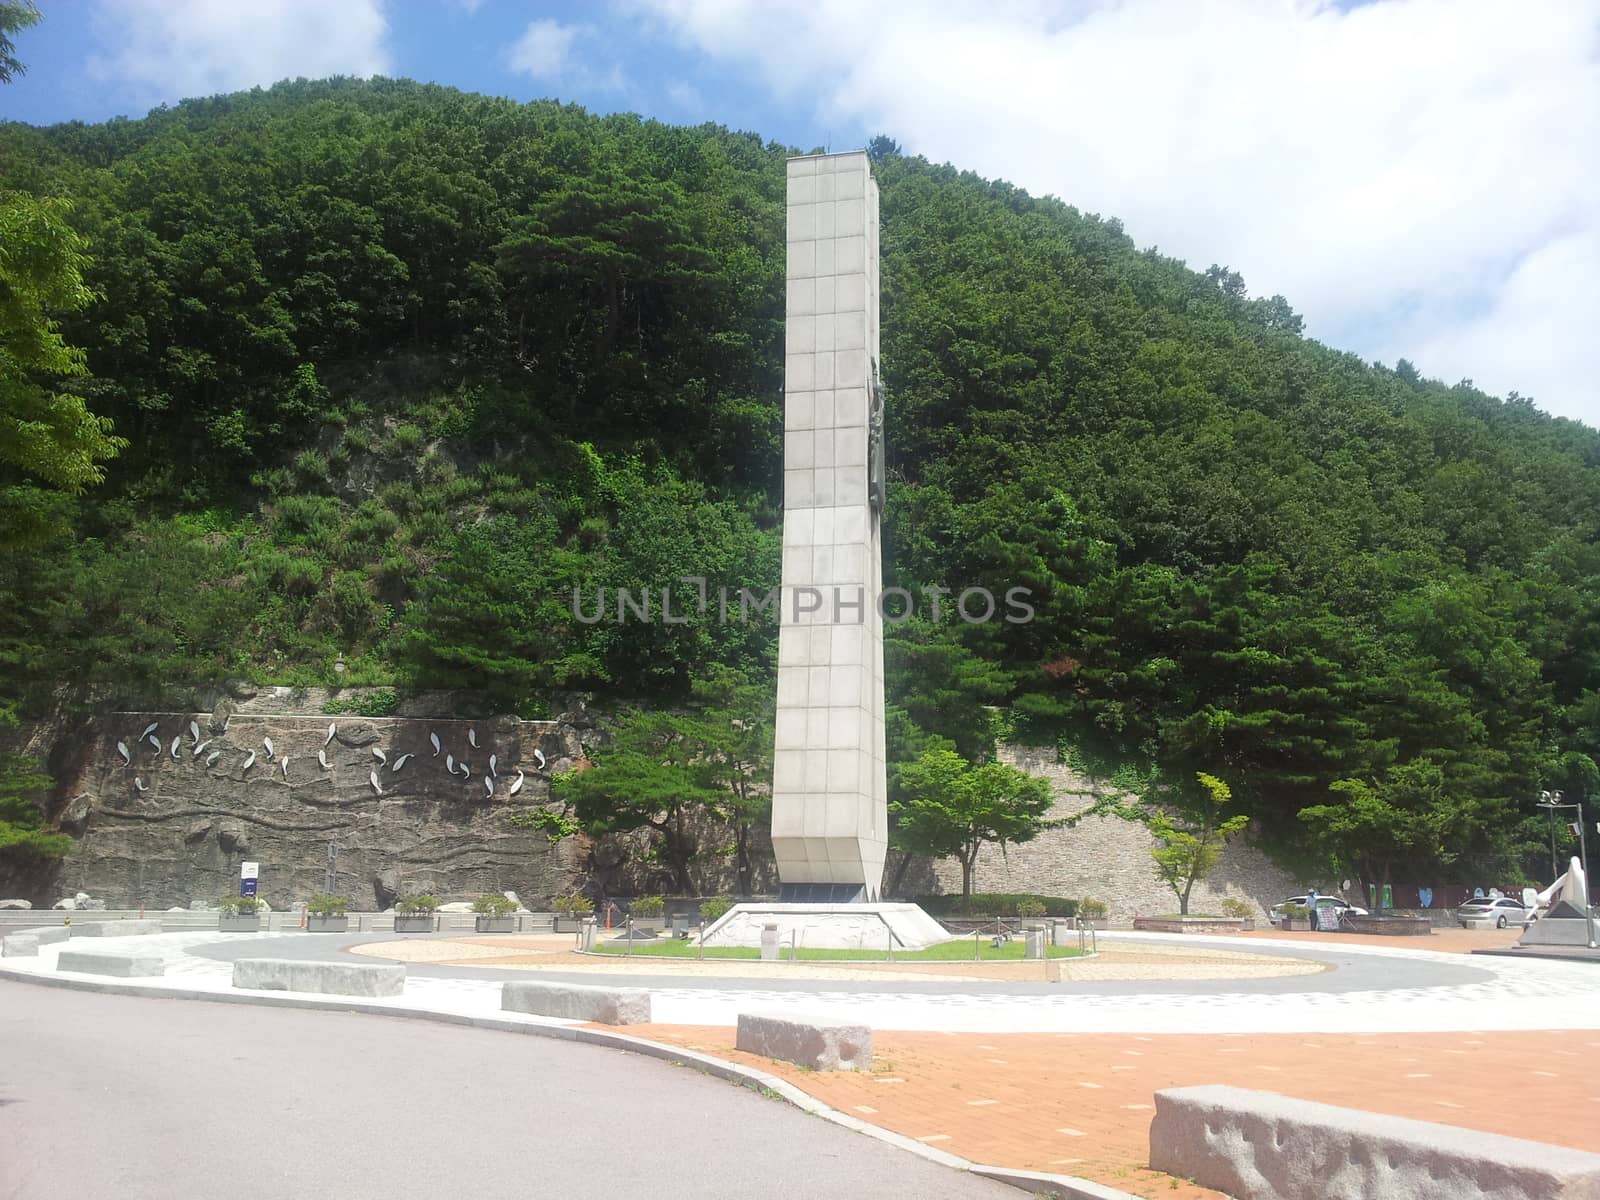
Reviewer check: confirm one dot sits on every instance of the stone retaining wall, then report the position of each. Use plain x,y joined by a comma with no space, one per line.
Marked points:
1107,858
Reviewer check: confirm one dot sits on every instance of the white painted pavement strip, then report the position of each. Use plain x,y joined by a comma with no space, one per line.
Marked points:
1523,994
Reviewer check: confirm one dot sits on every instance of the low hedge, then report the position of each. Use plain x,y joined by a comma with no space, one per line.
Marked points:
995,904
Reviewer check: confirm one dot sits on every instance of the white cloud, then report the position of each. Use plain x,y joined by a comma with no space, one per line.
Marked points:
170,49
1416,176
544,50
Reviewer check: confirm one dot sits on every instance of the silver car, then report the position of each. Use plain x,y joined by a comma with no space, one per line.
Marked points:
1503,909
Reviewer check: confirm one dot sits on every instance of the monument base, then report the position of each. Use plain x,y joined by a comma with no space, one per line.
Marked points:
830,926
1557,931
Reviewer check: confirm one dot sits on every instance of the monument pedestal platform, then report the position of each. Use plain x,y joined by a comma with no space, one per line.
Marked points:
830,926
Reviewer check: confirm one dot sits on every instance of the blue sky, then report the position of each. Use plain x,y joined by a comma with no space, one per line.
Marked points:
1417,177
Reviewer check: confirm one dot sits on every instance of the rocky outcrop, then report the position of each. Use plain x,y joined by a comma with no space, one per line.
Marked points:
163,830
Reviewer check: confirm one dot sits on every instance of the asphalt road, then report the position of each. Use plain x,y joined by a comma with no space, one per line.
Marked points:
133,1097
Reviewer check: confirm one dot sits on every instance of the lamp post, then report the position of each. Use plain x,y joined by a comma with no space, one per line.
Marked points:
1553,801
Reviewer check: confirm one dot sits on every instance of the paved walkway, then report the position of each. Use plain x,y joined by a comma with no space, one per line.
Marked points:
1059,1077
1081,1104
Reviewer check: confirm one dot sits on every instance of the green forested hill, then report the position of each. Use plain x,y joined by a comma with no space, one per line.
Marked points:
399,367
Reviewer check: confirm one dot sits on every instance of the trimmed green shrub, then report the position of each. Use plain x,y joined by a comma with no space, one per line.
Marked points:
646,906
573,905
998,904
1234,907
712,909
328,906
417,904
1093,910
493,905
239,905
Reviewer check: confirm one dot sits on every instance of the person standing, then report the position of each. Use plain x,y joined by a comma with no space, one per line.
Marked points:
1315,917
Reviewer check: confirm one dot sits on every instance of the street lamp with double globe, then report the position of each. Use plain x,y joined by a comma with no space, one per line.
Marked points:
1554,801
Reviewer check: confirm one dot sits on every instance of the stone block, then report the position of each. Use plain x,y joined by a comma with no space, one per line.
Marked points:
577,1002
330,978
123,964
115,928
818,1043
1262,1146
19,945
41,936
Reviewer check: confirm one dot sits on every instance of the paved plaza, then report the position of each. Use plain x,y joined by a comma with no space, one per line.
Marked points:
998,1065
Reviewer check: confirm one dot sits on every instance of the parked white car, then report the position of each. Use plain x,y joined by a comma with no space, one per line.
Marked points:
1503,909
1330,910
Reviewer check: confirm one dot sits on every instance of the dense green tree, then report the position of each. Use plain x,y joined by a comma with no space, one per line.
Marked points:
15,16
952,809
1191,844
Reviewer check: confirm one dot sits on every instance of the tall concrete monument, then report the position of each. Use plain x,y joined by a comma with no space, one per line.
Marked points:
830,820
829,797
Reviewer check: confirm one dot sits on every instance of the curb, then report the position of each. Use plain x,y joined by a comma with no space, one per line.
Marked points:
1062,1187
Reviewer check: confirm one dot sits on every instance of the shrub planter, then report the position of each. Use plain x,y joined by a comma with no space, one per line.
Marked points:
1390,926
1190,924
486,924
326,923
239,922
413,922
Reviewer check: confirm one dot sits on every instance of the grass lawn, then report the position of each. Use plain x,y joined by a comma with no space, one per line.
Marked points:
959,950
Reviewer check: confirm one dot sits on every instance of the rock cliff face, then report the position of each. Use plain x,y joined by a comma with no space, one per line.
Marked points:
197,818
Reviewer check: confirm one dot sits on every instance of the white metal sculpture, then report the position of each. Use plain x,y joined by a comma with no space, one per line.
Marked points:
400,762
492,760
127,758
322,758
267,742
200,749
517,786
434,738
372,778
333,728
284,764
138,784
194,732
249,761
211,759
450,763
177,743
378,754
148,730
488,785
472,737
538,757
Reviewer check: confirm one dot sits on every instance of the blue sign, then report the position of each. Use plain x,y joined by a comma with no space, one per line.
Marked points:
247,887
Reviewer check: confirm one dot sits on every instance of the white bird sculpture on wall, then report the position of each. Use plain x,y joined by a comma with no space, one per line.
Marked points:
122,749
200,749
211,759
372,778
176,742
267,742
138,784
539,757
332,728
379,755
400,762
322,758
492,771
249,761
488,785
466,771
472,737
517,786
285,765
154,741
434,738
148,730
194,732
450,763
